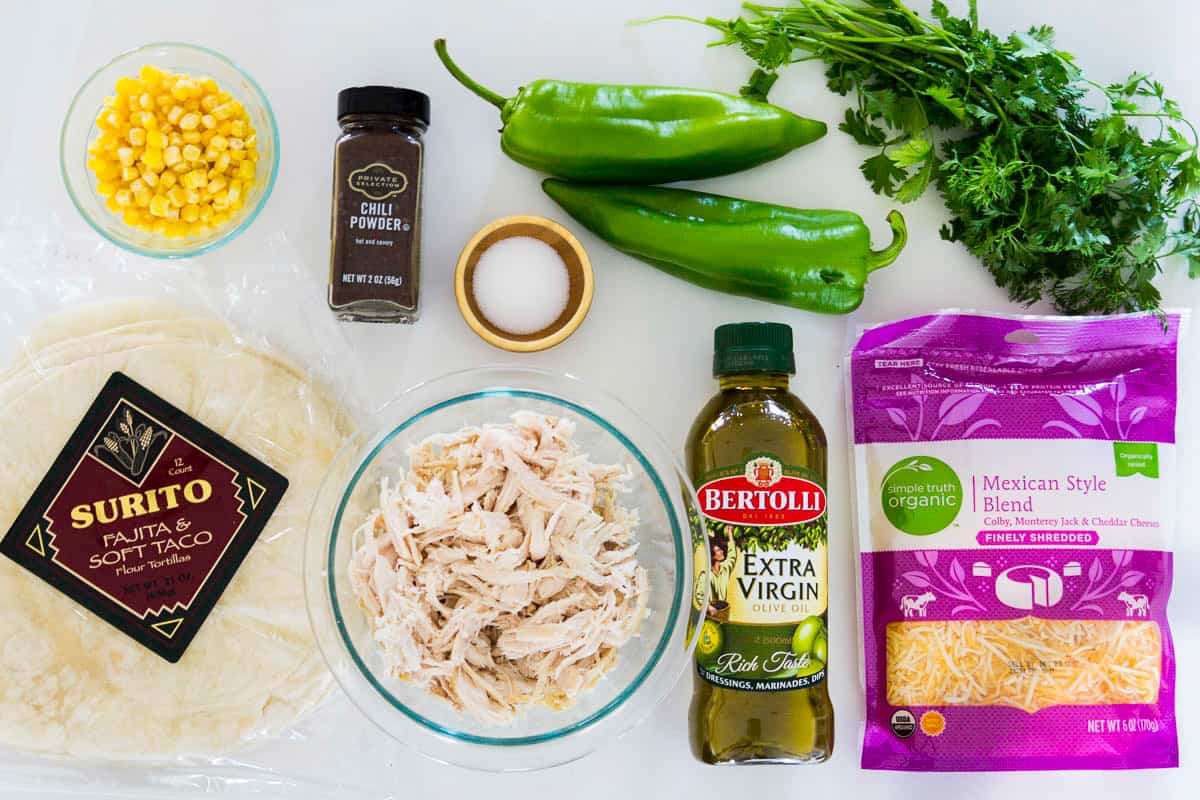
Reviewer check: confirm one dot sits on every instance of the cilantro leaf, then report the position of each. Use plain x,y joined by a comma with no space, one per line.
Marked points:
915,151
863,130
883,173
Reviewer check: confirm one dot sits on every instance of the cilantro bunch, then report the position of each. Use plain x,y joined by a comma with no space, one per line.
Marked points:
1064,188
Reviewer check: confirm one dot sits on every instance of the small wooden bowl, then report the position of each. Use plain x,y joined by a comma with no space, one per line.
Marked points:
579,270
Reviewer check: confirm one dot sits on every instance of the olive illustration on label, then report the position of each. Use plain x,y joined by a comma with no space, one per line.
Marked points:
820,648
806,634
712,639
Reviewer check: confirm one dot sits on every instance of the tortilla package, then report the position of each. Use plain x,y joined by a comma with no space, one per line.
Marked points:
166,427
1015,485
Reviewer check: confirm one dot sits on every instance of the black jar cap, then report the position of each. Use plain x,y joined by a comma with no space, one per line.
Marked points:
383,100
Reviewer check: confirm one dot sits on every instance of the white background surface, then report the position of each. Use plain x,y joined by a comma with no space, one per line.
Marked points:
648,337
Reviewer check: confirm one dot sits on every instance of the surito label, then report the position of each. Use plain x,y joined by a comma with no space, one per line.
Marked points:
144,517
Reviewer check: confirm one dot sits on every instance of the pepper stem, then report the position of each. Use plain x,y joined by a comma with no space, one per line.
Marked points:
487,94
881,258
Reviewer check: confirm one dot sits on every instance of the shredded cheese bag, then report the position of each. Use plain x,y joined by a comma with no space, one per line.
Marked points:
1015,483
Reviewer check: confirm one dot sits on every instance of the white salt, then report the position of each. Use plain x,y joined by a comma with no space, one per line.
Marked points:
521,285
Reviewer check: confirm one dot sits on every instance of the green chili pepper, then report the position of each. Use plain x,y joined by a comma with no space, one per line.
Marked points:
815,260
638,134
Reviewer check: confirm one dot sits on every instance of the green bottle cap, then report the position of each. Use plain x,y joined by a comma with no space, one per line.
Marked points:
753,347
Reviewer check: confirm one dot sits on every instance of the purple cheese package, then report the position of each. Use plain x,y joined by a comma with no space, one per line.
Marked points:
1015,491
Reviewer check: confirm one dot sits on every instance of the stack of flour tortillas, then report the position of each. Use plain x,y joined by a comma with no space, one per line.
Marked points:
70,683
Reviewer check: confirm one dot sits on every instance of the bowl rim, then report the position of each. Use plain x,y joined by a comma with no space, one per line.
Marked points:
627,691
556,336
199,249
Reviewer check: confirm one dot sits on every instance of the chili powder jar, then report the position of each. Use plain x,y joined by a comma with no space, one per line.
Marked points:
375,241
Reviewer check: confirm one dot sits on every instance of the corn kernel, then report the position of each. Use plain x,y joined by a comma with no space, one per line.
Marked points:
153,158
150,177
208,121
194,196
177,230
124,198
175,138
136,136
142,198
159,206
131,218
105,189
129,173
173,213
151,74
206,213
188,122
237,128
156,139
222,162
219,143
171,156
216,185
126,86
167,179
245,170
196,179
177,196
110,203
190,212
191,137
146,100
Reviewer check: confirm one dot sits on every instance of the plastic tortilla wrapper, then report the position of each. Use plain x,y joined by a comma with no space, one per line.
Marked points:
250,359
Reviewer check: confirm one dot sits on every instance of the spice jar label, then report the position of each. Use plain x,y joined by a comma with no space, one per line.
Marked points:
144,517
378,181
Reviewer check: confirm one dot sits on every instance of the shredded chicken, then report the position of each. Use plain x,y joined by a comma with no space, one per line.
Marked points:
500,572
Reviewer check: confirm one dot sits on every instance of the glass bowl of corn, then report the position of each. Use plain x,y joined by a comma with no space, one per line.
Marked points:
169,150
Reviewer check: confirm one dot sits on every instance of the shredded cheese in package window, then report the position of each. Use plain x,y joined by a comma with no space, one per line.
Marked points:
1015,482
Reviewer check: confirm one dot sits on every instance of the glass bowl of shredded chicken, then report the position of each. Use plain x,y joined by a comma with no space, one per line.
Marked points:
503,576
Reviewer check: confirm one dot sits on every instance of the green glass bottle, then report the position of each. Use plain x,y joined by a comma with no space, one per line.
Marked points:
757,457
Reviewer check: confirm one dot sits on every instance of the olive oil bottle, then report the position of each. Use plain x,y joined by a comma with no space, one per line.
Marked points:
757,457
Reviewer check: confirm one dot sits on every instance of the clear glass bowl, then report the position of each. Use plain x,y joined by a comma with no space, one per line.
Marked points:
648,665
79,130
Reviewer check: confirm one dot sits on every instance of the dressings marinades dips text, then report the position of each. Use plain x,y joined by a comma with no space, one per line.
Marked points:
374,271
